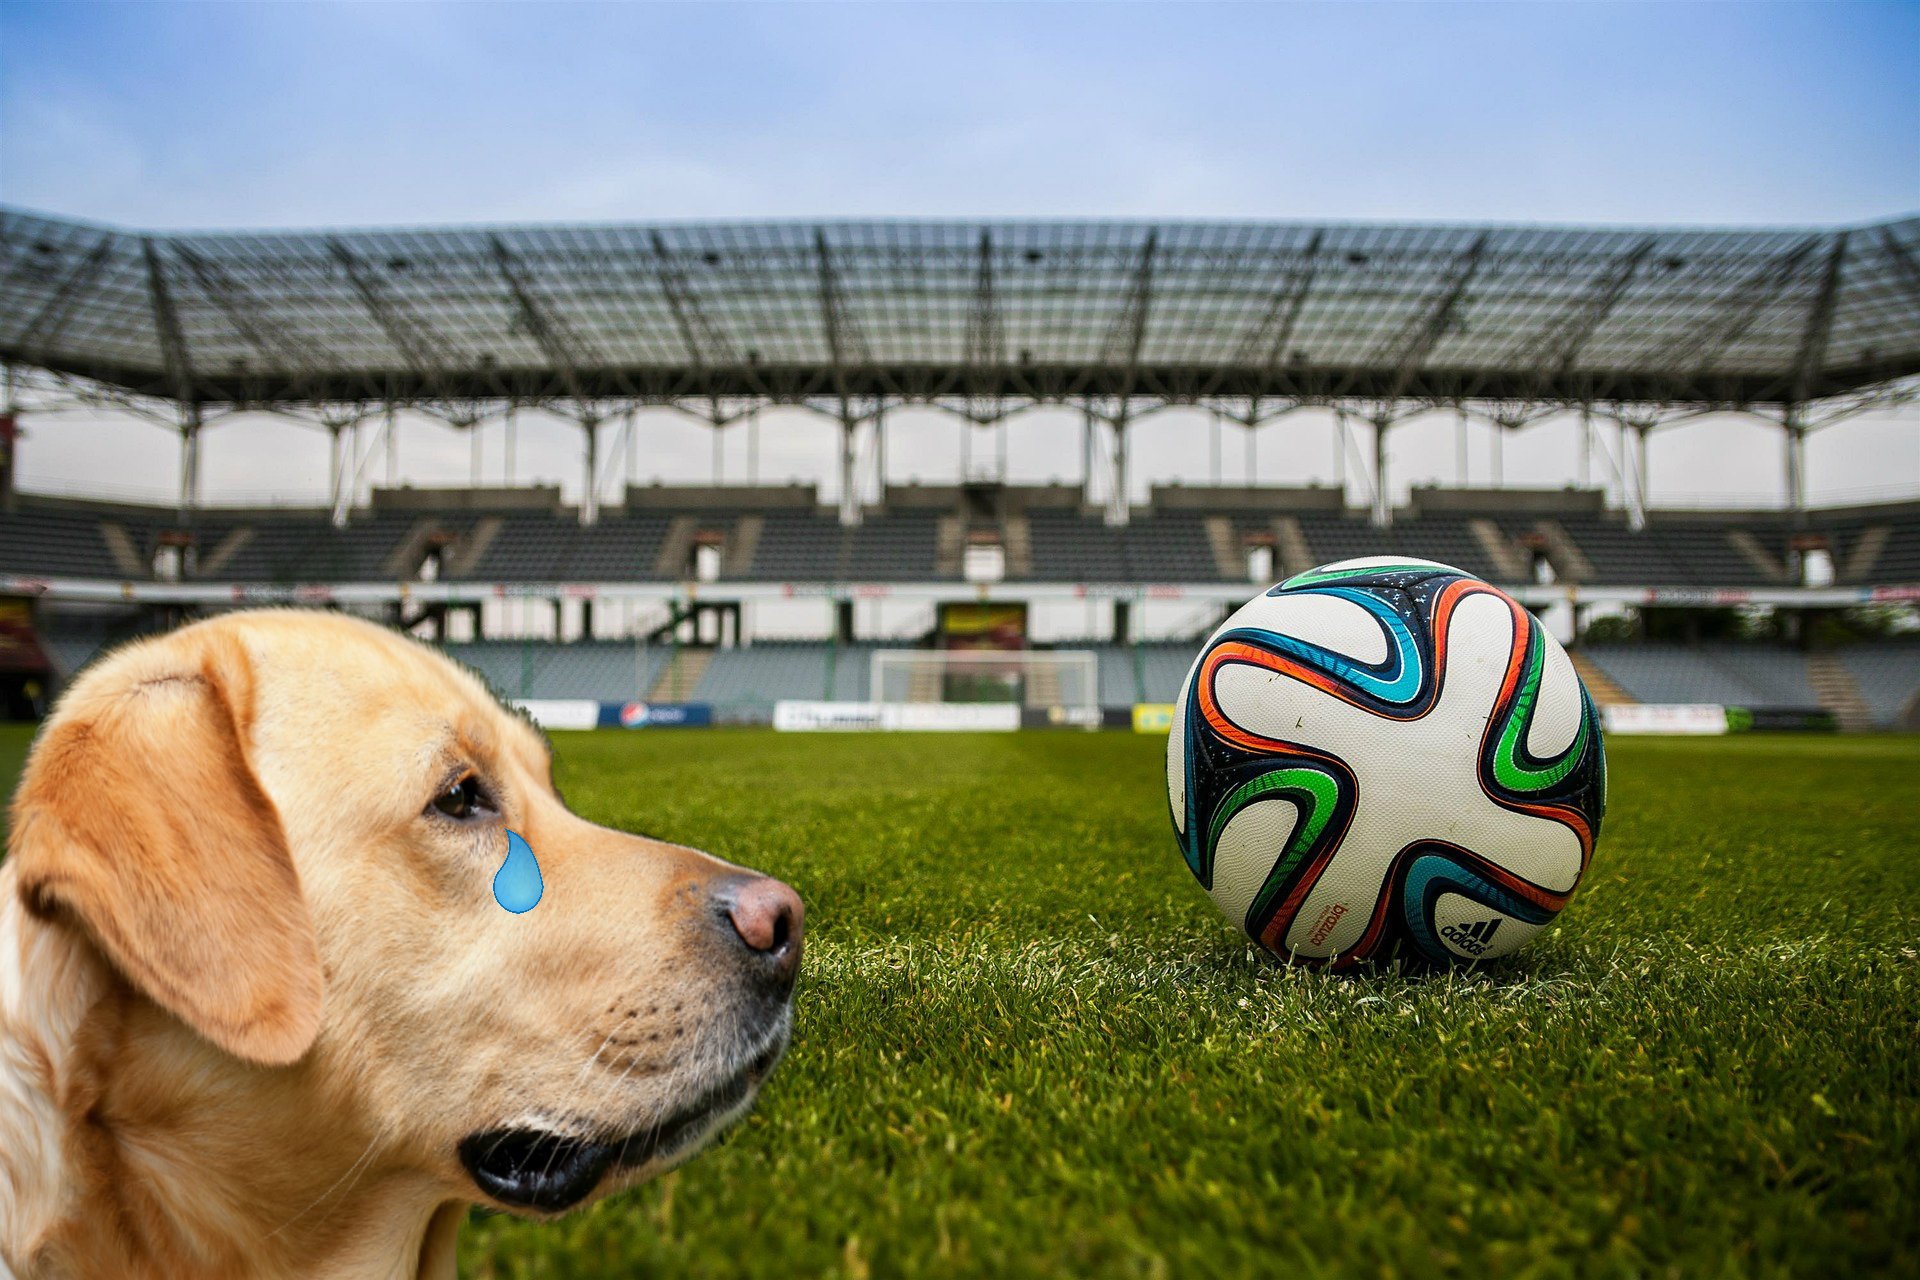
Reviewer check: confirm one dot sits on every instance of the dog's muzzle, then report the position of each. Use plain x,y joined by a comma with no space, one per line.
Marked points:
547,1171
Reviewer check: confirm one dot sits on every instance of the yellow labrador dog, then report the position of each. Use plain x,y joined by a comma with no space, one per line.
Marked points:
260,1011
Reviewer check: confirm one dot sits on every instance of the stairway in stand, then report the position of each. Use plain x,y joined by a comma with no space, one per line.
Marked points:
677,679
1601,685
1839,693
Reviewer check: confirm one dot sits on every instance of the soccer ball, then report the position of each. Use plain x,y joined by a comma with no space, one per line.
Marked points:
1386,757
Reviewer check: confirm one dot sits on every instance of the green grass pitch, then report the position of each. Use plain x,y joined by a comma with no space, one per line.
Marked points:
1027,1044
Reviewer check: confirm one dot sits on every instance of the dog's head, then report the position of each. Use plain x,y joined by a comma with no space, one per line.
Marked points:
283,828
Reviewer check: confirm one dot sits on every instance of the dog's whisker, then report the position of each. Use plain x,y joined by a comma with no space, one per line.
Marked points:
353,1171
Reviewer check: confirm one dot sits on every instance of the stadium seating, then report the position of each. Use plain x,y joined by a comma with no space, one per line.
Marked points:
764,673
1163,547
619,548
308,548
55,543
807,543
610,671
798,546
1742,675
1142,673
753,677
1070,547
892,547
1664,554
1446,538
1888,676
1167,547
550,546
1899,559
761,674
73,634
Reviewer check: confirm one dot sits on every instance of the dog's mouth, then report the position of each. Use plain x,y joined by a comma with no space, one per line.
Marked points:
548,1171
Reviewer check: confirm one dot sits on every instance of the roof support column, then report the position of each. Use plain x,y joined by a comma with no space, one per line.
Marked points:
1796,433
1117,509
753,445
509,445
1086,457
1382,497
1637,479
1340,452
337,455
849,476
1499,454
1253,429
190,461
1586,446
473,451
1214,449
1462,464
393,447
880,450
590,489
632,430
350,464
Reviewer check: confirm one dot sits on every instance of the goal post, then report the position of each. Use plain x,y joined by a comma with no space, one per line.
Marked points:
1058,686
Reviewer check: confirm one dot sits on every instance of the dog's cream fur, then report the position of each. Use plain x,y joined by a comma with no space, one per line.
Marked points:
254,990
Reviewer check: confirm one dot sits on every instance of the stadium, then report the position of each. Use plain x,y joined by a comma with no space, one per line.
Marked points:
655,595
882,464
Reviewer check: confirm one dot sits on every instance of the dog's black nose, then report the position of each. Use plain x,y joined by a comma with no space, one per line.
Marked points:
768,918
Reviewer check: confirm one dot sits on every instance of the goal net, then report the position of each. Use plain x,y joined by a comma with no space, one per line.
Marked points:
1062,686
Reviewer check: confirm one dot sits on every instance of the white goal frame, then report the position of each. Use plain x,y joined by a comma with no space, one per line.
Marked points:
1062,684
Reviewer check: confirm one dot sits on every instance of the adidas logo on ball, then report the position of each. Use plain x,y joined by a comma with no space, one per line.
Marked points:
1471,938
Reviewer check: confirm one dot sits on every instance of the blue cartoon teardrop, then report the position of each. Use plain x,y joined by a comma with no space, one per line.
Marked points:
517,885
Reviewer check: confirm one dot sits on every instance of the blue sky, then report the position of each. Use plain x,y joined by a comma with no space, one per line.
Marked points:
229,114
167,115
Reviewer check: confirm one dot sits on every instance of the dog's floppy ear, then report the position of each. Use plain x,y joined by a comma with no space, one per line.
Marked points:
140,819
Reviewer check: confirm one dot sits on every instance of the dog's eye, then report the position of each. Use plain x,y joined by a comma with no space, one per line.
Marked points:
461,800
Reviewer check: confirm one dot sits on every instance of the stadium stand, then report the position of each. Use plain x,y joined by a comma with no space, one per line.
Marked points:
1141,673
527,548
602,670
1888,677
1193,535
533,547
1447,539
1581,543
1557,321
760,674
307,549
1897,557
622,547
1167,547
55,541
1741,675
1664,554
1069,547
764,673
798,546
892,547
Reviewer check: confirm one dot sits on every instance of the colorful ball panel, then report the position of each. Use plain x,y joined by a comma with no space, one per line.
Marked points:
1385,757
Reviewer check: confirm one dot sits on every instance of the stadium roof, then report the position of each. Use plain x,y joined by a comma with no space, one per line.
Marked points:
1020,310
